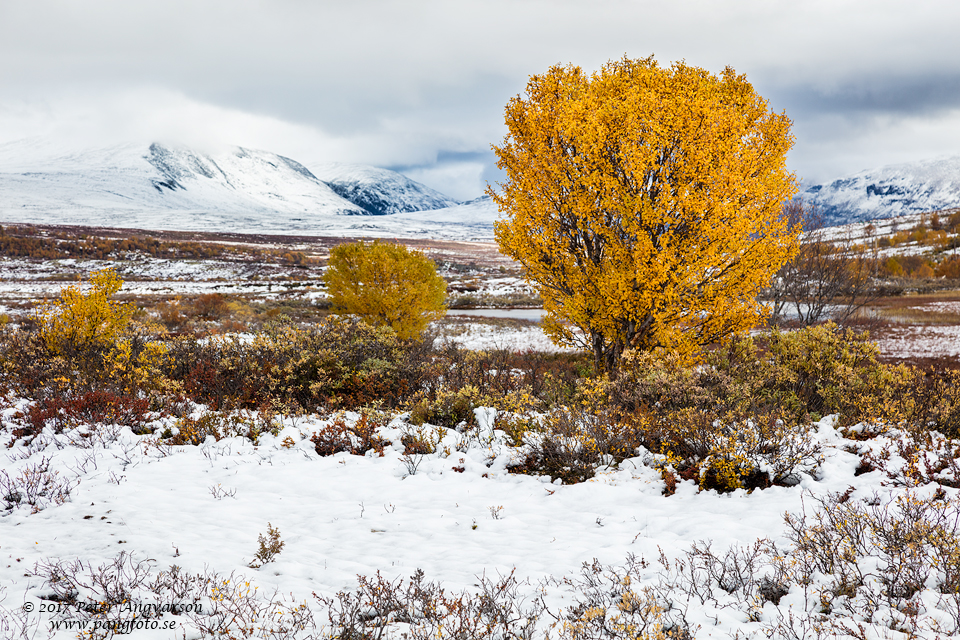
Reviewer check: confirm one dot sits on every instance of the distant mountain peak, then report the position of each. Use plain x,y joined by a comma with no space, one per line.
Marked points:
380,191
160,177
889,191
163,186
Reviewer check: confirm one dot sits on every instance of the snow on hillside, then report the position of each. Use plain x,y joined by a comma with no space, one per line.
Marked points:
152,186
469,221
379,191
145,182
889,191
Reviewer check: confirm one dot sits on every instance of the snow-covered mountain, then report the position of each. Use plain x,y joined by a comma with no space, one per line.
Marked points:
889,191
156,186
379,191
153,178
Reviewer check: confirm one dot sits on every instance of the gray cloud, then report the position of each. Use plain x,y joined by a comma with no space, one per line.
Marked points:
421,85
918,94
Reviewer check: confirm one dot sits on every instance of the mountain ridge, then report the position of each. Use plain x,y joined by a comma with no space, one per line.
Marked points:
889,191
167,187
380,191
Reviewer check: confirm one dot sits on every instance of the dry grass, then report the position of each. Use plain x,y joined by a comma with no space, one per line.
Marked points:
935,308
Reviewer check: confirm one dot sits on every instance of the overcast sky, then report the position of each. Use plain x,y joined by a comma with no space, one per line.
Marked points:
419,86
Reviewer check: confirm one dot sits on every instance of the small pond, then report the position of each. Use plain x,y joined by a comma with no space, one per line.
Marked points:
518,314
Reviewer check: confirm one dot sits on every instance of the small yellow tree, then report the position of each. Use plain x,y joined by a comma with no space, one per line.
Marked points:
81,321
96,335
645,203
386,284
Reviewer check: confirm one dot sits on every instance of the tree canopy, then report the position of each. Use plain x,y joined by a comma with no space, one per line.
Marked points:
386,284
645,203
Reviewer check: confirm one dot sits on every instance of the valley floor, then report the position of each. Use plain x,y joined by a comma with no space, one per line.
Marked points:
115,510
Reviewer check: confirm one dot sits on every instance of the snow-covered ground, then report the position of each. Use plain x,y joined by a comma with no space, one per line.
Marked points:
476,335
26,280
203,508
920,341
139,268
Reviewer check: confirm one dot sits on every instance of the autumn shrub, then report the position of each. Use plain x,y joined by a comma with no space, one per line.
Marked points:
173,314
794,375
874,560
80,321
210,306
217,605
917,400
378,606
270,546
339,362
219,424
85,340
892,267
387,285
614,603
356,439
421,440
447,407
921,458
570,443
661,382
826,368
136,363
34,486
949,268
453,381
27,366
724,453
63,412
455,407
488,372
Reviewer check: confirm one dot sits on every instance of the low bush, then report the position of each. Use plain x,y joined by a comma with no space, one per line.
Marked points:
82,342
69,411
337,363
875,560
419,440
911,459
725,454
210,306
219,424
378,606
35,486
447,407
569,443
216,605
270,546
610,604
356,439
797,377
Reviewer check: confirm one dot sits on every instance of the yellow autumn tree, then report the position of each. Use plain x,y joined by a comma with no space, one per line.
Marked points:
80,320
96,334
645,203
386,284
